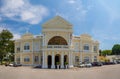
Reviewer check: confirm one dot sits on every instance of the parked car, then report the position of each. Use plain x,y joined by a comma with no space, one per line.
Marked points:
82,65
88,65
118,62
11,64
14,64
37,66
17,65
108,63
97,64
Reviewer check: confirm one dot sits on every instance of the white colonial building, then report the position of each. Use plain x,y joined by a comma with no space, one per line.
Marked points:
56,45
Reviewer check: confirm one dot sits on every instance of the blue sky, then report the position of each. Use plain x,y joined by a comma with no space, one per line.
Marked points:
99,18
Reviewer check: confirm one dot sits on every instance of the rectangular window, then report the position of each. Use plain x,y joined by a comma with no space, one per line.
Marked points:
18,49
76,59
26,47
86,59
95,58
26,59
86,47
18,60
95,49
36,59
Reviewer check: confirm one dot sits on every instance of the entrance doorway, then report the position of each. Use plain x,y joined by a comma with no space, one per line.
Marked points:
57,60
65,59
49,61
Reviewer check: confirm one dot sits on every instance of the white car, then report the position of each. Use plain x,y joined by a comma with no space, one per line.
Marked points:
88,65
82,65
11,64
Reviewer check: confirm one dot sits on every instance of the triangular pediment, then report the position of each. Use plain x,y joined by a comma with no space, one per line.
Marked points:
57,23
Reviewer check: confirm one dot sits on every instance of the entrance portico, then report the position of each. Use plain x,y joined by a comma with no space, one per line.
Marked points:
53,58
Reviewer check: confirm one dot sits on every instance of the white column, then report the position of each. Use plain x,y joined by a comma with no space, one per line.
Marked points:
21,51
70,60
69,40
15,58
62,57
32,53
92,48
81,51
92,58
15,48
43,41
21,47
53,60
43,60
40,59
21,59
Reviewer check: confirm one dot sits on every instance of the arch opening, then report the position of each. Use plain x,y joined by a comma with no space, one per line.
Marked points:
49,61
65,59
57,60
57,40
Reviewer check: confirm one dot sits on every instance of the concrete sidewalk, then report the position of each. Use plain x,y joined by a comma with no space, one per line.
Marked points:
104,72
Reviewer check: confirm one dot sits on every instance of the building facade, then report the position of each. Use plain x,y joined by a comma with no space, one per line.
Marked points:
56,45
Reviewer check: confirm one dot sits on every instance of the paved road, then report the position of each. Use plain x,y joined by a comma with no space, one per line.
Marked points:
104,72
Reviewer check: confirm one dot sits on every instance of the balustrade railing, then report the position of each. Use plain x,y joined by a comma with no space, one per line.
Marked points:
57,46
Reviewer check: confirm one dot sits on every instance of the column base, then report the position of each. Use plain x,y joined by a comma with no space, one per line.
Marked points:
62,67
70,66
44,67
53,66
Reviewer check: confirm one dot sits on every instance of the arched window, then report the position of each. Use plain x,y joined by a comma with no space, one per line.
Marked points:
86,47
26,46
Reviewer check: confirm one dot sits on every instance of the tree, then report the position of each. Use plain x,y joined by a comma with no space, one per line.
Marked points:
106,52
10,50
116,49
5,41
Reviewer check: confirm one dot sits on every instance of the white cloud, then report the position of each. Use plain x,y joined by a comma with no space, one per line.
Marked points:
16,35
75,10
71,1
22,10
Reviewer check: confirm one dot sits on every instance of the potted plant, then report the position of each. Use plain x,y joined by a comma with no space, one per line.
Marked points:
58,63
66,65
